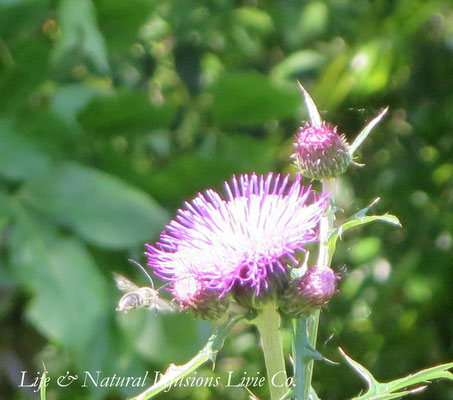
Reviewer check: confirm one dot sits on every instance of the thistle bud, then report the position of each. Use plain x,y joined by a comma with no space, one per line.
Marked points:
321,153
203,302
310,292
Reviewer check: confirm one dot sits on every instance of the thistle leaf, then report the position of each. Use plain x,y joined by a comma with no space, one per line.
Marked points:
424,376
366,131
360,218
398,388
174,372
312,110
371,382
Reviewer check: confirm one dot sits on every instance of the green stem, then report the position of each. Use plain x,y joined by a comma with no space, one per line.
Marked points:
299,340
268,324
324,259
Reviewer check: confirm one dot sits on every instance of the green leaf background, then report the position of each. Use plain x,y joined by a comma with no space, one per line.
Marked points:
113,113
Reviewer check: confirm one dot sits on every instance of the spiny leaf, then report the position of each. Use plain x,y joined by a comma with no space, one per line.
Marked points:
437,372
389,218
392,395
371,382
313,114
207,353
360,218
366,131
410,384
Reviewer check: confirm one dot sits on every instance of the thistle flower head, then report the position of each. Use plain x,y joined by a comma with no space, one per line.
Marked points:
321,153
215,246
310,292
192,296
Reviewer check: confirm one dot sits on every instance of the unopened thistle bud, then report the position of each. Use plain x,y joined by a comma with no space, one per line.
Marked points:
321,153
310,292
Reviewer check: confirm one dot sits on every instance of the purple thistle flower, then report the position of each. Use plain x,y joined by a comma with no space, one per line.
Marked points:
216,245
321,152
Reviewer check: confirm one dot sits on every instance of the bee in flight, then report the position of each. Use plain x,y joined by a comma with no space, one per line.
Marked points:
141,297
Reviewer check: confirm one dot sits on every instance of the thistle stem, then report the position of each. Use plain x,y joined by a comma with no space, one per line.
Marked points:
324,259
268,324
312,334
299,339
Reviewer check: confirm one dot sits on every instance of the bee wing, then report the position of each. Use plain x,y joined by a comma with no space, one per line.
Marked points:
164,306
124,284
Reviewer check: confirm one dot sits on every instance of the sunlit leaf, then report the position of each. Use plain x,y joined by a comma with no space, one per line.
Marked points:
69,294
371,64
103,209
254,18
252,99
296,63
80,35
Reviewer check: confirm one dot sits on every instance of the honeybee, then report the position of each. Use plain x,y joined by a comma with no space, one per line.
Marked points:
141,297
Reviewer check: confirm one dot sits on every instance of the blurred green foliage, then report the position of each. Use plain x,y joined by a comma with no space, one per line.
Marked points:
114,112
